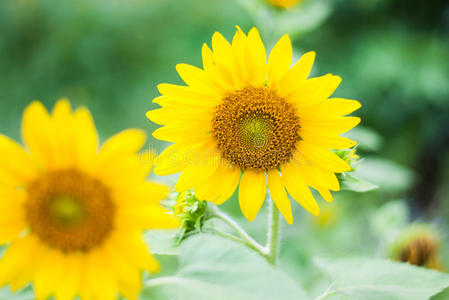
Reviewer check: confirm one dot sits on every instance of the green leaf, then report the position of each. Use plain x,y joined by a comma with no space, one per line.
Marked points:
215,268
373,279
387,174
162,242
353,183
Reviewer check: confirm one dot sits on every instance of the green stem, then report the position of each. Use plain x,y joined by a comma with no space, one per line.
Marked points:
245,237
273,234
270,251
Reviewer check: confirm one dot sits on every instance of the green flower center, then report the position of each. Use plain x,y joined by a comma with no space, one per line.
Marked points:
67,211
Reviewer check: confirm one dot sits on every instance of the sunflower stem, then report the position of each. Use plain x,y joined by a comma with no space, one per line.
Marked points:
270,251
273,234
245,238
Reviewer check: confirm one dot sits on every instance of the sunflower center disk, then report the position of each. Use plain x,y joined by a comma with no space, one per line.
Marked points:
254,128
69,210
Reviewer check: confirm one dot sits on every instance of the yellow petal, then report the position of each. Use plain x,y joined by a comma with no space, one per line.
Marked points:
279,196
252,191
239,46
13,222
332,107
324,158
314,91
217,73
298,189
128,276
85,138
225,56
37,130
18,256
138,255
330,142
64,130
197,79
153,217
68,288
256,58
197,172
296,75
182,132
179,113
16,166
279,61
49,274
186,95
126,142
326,194
330,126
99,277
173,159
319,177
220,186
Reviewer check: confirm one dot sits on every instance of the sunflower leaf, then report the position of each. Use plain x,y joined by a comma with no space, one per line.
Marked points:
162,242
353,183
215,268
372,279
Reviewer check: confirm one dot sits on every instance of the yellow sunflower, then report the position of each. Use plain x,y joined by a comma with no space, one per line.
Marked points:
283,3
73,214
244,121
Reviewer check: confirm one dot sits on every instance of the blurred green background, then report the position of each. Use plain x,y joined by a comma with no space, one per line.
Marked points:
393,56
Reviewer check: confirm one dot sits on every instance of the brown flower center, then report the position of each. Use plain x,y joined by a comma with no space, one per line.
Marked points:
419,252
69,210
255,128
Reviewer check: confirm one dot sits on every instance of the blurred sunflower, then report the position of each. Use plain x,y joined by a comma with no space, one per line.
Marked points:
283,3
418,244
241,120
73,215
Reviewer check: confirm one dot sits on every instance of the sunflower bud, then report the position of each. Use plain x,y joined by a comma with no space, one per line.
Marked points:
349,156
419,245
191,211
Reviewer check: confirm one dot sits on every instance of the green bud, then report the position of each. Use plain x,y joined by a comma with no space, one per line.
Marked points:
191,211
349,156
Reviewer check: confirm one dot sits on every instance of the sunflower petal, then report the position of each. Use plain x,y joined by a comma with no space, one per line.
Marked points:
314,91
279,195
256,58
252,191
279,61
16,166
36,130
297,74
220,186
298,189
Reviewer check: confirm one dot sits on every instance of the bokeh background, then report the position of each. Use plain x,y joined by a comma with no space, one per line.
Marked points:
393,56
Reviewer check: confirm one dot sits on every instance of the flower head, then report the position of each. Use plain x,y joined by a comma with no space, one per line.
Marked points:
418,244
243,121
75,212
283,3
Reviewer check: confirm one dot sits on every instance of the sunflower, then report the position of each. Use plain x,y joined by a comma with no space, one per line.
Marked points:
283,3
418,244
243,121
73,215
